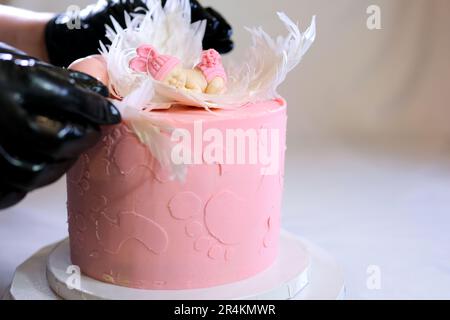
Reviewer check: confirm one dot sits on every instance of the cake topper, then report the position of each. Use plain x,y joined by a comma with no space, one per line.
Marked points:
207,77
172,35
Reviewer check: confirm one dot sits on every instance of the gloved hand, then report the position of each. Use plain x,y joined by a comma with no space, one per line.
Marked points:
48,116
218,30
66,45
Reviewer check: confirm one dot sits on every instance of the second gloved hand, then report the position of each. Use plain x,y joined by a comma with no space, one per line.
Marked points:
67,43
48,116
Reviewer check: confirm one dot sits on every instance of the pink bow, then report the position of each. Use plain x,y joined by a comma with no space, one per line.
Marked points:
146,54
210,58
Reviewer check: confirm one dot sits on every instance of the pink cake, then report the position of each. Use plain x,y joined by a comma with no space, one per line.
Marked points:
141,218
130,225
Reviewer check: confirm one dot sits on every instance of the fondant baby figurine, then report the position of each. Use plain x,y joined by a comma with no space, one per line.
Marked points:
208,76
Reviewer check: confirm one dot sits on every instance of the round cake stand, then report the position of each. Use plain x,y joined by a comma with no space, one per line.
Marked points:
302,271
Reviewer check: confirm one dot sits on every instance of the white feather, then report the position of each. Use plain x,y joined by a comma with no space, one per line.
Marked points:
169,29
156,135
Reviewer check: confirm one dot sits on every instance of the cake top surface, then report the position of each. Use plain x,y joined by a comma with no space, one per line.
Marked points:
183,113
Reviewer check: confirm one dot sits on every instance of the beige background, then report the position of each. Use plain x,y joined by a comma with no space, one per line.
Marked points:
383,85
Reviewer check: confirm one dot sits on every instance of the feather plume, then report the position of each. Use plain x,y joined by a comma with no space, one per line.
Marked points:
169,29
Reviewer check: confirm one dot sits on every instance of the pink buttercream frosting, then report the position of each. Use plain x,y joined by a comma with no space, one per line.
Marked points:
131,225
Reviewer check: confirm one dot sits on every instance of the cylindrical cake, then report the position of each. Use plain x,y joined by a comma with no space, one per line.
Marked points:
131,225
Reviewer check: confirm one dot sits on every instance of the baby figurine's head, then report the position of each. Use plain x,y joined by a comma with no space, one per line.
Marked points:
208,76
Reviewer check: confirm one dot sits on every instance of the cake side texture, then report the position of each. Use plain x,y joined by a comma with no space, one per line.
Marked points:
130,224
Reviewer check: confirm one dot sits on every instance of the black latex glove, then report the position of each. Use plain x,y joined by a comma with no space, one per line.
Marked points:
48,116
66,45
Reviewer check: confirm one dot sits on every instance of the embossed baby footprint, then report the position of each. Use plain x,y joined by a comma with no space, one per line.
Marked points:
113,234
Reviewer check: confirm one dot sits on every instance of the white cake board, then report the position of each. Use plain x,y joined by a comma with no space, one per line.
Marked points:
321,279
283,280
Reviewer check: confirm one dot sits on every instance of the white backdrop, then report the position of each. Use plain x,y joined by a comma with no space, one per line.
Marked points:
368,174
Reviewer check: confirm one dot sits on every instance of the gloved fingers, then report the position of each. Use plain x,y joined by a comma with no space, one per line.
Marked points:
4,48
118,9
61,141
218,31
51,92
61,97
26,176
66,45
81,79
38,138
94,107
10,196
222,46
86,81
199,13
222,29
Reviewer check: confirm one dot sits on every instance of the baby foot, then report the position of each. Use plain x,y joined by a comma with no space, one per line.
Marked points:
216,86
212,69
196,81
176,78
208,77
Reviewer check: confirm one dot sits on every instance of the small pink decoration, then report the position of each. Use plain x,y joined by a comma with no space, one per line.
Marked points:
211,65
208,76
151,62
